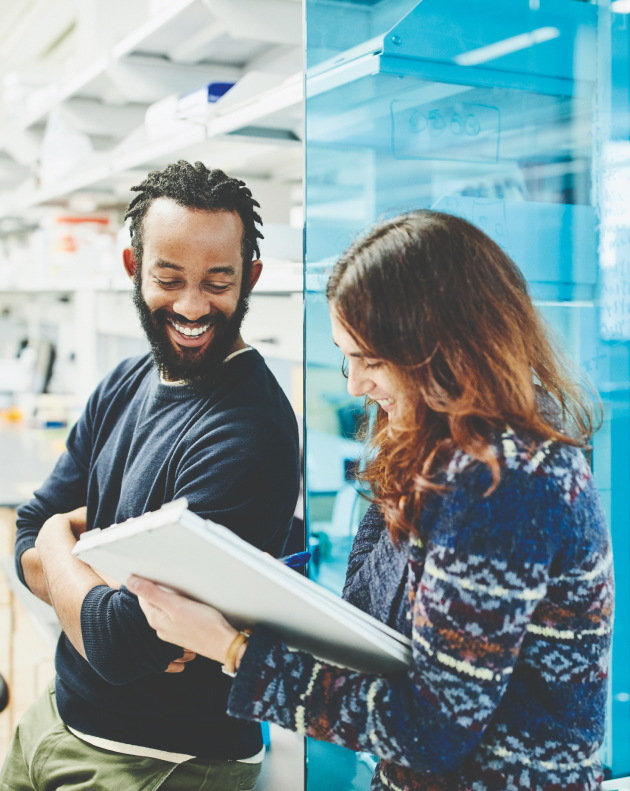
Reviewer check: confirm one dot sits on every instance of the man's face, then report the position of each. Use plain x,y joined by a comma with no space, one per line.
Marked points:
189,290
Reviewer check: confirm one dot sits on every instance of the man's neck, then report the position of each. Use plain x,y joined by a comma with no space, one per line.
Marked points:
239,345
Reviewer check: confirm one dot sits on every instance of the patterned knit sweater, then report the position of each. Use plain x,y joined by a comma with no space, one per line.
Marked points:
509,607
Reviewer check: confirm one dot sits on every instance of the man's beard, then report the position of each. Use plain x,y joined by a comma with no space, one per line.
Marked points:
182,363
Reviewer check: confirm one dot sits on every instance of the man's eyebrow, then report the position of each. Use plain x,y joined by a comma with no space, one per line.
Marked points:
221,270
213,270
167,265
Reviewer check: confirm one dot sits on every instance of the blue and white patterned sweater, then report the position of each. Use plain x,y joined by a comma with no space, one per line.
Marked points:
508,604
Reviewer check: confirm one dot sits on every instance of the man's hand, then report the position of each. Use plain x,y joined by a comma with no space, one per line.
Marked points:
178,665
78,521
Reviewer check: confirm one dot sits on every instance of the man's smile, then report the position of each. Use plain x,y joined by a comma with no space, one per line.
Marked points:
189,336
190,331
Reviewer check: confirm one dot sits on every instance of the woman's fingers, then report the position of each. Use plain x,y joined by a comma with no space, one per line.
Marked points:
155,602
182,621
149,591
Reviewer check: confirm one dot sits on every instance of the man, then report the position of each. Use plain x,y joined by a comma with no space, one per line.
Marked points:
201,417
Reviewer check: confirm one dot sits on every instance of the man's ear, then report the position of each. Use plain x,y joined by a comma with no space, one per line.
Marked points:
129,261
254,273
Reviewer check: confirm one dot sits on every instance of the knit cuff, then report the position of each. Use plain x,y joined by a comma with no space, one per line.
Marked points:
21,545
242,698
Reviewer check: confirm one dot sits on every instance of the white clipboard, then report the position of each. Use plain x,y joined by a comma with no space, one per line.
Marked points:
208,562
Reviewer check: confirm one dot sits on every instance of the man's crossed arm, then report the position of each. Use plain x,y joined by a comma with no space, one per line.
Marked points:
56,539
59,578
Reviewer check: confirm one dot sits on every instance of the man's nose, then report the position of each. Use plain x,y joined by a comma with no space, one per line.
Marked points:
192,304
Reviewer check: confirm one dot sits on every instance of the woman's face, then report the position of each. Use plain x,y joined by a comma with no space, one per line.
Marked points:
374,378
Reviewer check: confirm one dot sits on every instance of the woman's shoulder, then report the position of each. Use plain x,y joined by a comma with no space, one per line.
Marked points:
544,502
527,462
560,465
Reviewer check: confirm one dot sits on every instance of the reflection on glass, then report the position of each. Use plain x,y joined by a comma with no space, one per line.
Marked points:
503,115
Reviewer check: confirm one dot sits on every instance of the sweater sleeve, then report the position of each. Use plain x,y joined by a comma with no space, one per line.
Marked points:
119,643
371,528
470,614
64,490
374,557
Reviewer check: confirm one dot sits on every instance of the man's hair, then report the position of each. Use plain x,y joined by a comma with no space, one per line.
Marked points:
197,187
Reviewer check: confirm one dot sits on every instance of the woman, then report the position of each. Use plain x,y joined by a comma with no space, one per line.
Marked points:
485,543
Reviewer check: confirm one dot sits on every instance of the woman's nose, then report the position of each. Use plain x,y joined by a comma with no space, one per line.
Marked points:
359,383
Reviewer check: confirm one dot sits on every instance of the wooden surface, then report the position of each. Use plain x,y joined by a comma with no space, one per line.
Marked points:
26,649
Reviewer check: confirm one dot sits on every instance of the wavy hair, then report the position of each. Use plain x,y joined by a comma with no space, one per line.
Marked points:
435,298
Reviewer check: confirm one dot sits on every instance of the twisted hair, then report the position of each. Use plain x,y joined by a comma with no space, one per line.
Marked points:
197,187
441,303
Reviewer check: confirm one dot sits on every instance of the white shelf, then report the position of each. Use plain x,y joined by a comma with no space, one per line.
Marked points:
267,105
165,19
157,59
166,33
149,150
230,152
84,81
253,132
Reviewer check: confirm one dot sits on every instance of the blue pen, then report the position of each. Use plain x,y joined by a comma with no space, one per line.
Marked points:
297,560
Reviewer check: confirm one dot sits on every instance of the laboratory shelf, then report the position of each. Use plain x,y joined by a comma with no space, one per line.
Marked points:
99,101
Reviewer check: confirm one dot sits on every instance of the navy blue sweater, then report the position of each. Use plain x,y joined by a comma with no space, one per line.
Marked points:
232,451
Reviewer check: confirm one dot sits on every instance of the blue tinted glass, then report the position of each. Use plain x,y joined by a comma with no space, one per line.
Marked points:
514,116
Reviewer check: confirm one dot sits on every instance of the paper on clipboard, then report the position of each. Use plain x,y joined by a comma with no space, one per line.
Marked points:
210,563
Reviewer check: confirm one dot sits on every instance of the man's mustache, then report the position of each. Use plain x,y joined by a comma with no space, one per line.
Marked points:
209,318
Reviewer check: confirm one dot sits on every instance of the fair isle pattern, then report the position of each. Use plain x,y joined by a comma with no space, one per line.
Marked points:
562,463
509,607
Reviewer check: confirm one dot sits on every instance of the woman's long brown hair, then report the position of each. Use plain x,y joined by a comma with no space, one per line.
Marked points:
434,297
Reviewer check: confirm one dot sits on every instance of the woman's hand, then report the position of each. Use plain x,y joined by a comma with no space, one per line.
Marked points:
184,622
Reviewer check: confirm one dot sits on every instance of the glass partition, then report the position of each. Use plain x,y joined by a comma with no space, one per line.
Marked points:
501,113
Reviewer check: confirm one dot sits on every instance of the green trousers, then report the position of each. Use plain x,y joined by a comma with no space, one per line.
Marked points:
46,756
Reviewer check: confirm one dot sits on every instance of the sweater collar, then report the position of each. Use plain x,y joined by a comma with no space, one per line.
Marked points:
231,367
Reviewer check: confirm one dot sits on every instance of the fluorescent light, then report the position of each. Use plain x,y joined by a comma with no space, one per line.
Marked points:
620,6
509,45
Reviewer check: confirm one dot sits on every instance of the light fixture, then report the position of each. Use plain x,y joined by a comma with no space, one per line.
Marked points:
508,45
620,6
